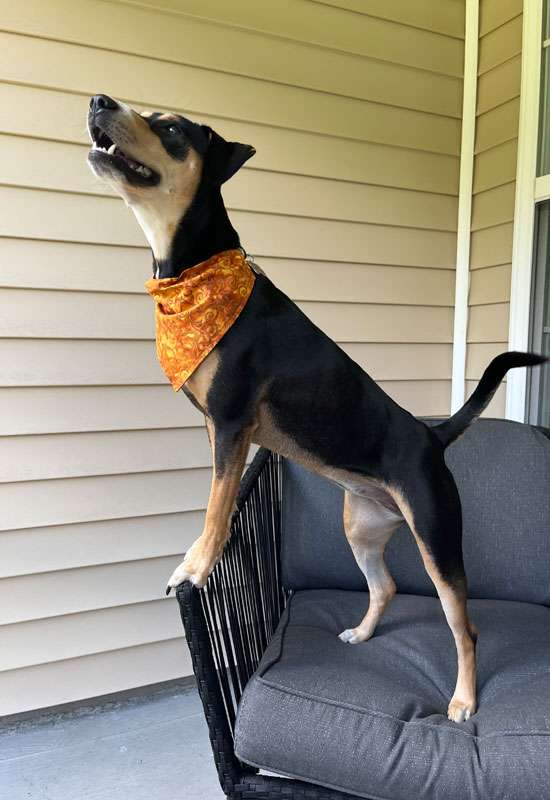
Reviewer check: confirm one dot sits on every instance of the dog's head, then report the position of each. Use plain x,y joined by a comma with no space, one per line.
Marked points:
157,162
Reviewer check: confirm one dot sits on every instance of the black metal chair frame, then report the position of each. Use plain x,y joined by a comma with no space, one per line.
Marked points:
229,624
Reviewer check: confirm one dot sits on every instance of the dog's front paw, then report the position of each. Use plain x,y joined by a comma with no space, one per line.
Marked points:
195,567
179,575
186,573
460,710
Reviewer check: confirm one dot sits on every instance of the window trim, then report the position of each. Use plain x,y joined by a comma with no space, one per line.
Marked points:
542,217
542,188
529,189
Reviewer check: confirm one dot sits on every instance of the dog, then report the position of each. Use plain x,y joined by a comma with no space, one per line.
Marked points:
276,380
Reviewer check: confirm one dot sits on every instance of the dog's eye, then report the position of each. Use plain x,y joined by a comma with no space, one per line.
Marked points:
173,129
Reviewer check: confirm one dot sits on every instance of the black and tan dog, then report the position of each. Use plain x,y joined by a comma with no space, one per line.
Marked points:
275,379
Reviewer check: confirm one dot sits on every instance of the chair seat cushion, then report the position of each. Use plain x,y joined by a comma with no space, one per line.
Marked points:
370,719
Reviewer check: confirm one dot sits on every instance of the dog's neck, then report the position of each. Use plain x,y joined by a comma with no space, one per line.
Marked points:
203,231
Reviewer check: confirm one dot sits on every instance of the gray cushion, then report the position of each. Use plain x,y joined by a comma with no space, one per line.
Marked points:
502,470
370,719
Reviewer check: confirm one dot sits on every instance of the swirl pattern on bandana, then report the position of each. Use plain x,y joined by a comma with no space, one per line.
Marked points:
195,310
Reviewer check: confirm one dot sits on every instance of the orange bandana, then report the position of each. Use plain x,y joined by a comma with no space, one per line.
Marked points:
195,310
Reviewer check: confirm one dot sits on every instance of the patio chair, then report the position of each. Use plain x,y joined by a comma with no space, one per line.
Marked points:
282,694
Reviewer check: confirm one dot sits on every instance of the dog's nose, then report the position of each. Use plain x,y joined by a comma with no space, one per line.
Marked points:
99,102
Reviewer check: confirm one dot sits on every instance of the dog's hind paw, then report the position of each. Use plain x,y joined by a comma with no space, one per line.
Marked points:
460,711
353,636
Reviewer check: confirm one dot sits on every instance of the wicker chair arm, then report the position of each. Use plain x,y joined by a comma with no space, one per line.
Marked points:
229,624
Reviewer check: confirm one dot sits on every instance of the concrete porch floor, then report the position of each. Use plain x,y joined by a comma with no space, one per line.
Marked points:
149,747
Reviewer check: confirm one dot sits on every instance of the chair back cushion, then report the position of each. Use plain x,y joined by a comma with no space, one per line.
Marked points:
502,470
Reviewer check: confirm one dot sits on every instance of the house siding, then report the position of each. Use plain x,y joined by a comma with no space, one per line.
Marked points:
349,205
499,74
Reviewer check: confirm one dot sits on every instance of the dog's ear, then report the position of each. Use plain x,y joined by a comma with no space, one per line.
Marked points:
223,159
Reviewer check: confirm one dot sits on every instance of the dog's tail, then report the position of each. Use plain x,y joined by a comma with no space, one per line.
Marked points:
451,429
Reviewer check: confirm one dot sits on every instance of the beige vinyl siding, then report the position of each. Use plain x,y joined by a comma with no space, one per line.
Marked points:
104,672
445,16
499,74
349,205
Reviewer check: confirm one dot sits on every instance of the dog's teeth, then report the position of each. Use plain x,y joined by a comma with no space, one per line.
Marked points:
111,149
141,169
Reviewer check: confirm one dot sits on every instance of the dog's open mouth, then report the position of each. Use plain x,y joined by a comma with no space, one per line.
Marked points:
104,148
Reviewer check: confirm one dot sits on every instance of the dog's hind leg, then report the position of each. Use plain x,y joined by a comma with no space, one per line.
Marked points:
434,517
369,526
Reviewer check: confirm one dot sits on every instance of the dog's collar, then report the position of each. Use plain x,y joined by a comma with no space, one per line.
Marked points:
196,309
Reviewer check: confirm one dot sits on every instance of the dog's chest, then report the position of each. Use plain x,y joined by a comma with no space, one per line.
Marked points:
198,385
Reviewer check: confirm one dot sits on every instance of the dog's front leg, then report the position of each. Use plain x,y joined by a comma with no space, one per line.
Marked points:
229,450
